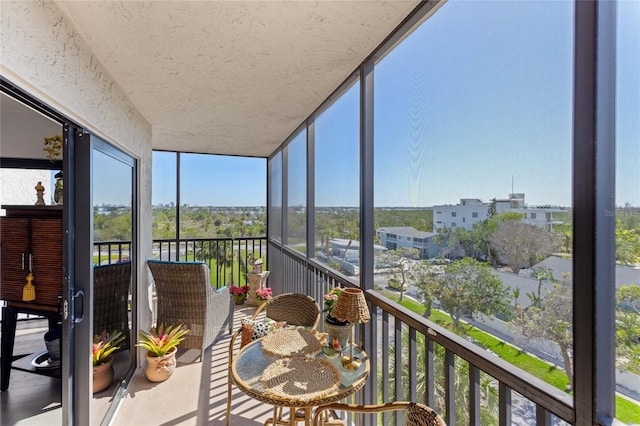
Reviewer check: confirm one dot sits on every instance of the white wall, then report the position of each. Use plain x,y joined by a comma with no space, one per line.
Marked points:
18,187
43,55
22,132
442,214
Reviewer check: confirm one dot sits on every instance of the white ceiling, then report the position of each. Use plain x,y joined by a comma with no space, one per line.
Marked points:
231,77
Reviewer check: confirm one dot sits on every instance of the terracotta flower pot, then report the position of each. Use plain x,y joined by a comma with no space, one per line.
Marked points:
160,368
103,375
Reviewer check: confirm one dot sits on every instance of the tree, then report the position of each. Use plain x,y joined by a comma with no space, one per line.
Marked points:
628,328
542,274
423,277
468,286
515,292
400,261
492,210
476,242
488,385
521,245
552,320
224,260
627,245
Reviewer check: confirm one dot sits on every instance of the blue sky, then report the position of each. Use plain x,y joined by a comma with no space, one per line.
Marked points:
477,98
210,180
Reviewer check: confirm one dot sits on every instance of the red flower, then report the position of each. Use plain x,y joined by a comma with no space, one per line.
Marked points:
239,290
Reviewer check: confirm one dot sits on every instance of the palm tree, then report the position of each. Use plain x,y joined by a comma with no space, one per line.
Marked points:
224,260
542,274
488,386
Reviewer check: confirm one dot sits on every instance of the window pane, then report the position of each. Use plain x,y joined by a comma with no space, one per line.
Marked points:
473,131
627,213
275,197
163,196
337,182
222,196
297,192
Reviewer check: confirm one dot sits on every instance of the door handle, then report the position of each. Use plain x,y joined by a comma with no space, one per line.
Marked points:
76,296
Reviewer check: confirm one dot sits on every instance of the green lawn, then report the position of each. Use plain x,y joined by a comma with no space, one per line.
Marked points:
225,271
626,411
98,261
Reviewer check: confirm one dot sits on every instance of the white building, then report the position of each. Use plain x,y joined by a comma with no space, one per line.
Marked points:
472,210
407,236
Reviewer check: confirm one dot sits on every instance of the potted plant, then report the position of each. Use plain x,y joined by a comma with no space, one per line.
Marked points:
104,345
161,344
264,293
53,148
239,293
335,328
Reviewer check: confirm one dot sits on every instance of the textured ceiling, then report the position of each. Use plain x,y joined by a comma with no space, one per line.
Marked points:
231,77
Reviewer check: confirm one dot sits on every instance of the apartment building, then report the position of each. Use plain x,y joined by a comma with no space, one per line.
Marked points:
407,236
473,210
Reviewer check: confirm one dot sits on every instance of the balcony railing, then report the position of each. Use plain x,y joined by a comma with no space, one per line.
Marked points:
228,258
413,358
108,252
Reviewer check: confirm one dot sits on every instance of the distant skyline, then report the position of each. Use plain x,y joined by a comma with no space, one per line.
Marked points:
476,102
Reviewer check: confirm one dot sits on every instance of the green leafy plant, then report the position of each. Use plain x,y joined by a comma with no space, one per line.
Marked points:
160,340
330,299
104,345
53,147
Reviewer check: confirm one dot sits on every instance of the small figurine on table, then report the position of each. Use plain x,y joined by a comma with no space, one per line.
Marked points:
337,346
40,193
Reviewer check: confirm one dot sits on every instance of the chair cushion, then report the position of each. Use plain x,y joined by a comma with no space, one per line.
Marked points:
252,330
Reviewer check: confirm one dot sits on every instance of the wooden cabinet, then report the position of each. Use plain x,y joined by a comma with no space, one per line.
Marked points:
31,237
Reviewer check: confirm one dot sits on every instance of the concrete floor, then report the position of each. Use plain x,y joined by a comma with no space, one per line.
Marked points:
196,394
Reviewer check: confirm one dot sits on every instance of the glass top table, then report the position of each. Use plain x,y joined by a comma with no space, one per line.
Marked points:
305,380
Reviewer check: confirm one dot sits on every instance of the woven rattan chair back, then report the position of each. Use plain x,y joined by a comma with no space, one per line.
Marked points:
111,289
295,309
185,296
417,414
422,415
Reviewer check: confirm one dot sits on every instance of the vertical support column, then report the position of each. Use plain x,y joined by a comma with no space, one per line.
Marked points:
285,195
367,230
311,202
593,196
366,208
177,210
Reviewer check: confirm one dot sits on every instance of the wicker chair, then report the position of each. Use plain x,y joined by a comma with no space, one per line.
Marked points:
294,308
185,296
417,414
111,289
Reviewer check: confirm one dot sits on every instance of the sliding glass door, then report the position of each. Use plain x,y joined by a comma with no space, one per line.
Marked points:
103,255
